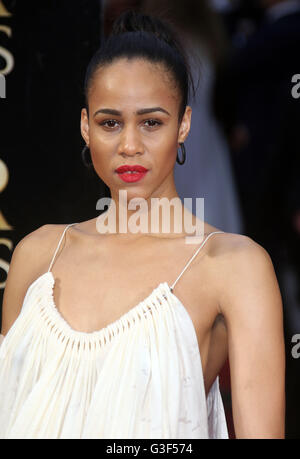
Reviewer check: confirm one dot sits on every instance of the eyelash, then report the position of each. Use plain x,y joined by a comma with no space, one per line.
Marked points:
157,123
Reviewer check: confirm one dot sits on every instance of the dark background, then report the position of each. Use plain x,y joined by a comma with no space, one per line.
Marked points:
52,43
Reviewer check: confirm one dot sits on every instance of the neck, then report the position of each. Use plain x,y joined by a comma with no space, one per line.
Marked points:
162,216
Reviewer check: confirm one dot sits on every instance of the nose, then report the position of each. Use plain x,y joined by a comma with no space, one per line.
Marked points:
130,142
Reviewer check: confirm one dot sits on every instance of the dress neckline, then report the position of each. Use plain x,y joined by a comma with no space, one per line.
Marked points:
101,339
156,299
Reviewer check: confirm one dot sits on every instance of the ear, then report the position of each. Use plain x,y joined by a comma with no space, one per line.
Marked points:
185,124
84,126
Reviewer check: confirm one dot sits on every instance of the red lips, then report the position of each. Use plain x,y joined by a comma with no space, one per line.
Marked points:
127,168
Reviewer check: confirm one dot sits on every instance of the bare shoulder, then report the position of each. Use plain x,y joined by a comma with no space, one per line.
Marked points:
229,250
245,273
37,235
30,258
33,252
228,244
250,301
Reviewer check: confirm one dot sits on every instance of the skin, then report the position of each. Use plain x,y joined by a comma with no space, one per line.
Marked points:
135,139
230,290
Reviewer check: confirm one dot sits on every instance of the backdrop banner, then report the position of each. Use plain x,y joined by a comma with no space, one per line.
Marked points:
44,51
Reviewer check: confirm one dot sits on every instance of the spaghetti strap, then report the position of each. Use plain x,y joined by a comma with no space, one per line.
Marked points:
191,259
58,245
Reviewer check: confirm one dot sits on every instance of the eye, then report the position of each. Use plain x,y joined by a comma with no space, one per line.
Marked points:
110,124
152,122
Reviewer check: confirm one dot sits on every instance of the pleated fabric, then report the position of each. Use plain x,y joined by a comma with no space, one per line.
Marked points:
140,377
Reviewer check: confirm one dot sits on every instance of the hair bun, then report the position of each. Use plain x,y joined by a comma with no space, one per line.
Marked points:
143,36
133,21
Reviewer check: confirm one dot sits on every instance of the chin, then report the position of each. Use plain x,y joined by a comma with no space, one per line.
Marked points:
133,193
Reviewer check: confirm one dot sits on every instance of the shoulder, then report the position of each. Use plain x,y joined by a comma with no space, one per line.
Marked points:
226,244
38,244
245,275
31,258
250,301
228,249
38,235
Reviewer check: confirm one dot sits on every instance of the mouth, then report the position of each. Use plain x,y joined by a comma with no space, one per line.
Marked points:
133,173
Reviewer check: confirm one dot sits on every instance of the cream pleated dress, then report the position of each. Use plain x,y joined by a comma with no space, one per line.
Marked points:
139,377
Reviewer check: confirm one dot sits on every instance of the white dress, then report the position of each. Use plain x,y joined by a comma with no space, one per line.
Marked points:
139,377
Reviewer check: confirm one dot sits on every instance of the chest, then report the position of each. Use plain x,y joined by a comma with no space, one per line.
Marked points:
97,298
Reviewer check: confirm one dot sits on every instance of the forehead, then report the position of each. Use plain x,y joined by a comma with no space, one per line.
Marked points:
133,82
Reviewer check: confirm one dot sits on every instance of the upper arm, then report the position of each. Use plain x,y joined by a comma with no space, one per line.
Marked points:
252,306
24,266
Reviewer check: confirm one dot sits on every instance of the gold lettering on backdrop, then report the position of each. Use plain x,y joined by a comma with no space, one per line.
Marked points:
3,10
4,264
4,176
7,56
3,223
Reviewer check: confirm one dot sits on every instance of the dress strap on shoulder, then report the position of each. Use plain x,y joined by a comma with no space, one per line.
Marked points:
58,245
191,259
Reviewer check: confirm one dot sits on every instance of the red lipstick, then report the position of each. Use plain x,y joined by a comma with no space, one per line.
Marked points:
131,173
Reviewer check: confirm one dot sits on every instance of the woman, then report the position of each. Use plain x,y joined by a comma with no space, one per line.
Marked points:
134,349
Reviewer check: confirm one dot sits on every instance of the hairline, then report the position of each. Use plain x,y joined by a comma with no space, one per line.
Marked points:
158,63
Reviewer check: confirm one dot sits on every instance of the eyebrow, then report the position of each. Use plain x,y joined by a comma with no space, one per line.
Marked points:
142,111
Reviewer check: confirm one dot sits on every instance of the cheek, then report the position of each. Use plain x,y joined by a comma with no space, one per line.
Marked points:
102,142
101,155
165,149
103,148
159,151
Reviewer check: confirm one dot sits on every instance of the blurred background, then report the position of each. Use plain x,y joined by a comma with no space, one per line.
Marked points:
243,151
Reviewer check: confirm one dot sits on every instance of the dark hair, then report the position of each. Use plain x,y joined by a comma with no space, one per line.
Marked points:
148,37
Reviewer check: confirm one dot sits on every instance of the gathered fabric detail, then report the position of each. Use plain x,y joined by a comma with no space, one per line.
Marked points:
57,326
138,377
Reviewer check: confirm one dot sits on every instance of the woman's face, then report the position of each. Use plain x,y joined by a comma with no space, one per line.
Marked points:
133,120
